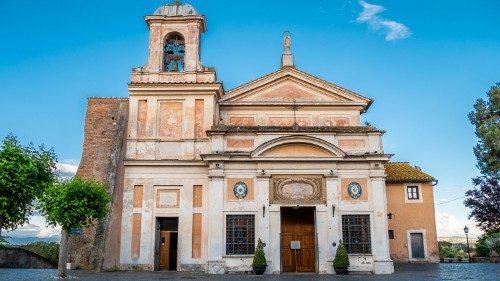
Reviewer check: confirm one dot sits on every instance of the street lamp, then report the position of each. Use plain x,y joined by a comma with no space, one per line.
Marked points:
466,230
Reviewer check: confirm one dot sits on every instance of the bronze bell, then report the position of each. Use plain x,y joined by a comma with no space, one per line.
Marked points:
175,66
170,50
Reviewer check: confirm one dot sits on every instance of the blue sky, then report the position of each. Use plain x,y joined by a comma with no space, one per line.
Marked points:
423,62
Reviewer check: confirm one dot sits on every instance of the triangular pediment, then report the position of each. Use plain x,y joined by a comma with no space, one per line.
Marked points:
289,84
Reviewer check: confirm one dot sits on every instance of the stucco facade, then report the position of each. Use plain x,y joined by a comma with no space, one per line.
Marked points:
207,172
409,216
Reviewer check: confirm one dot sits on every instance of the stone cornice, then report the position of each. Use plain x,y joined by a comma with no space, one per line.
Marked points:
158,19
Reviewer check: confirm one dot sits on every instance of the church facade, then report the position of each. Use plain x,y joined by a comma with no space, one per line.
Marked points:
200,174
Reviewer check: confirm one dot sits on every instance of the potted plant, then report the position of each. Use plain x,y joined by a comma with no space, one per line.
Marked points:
341,261
259,262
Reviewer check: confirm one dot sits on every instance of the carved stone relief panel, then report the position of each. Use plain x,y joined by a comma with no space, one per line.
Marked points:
297,189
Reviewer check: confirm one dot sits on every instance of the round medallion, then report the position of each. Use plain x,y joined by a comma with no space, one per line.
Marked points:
240,190
354,189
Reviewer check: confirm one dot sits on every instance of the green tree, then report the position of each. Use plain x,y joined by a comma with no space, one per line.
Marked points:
25,172
74,204
486,119
493,243
482,249
484,199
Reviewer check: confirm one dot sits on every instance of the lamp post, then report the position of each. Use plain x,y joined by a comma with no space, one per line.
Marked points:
466,230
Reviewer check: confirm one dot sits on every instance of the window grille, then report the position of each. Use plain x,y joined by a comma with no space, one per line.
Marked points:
412,192
356,234
240,234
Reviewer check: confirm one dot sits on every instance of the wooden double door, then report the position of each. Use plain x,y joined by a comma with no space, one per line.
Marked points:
298,240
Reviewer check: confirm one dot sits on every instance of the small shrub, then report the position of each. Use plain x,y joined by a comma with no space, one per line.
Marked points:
259,258
341,257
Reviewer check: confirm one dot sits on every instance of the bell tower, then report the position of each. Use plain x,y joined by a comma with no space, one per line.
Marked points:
173,97
174,46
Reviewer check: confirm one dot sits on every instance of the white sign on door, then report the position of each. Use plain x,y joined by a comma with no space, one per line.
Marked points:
295,245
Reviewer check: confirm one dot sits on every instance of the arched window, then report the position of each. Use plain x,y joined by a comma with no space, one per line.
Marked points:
174,50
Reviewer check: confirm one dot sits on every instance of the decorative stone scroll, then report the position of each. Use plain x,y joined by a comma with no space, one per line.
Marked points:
297,189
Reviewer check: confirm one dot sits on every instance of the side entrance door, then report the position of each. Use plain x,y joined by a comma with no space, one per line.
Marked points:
417,245
298,231
167,238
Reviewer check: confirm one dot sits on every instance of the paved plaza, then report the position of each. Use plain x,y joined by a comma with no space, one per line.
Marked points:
417,272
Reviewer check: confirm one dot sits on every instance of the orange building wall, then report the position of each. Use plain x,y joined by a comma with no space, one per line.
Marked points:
411,216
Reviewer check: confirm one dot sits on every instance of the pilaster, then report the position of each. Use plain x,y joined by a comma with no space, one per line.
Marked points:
334,229
263,217
215,263
380,237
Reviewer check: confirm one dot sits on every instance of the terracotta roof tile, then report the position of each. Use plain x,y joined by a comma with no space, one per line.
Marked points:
403,171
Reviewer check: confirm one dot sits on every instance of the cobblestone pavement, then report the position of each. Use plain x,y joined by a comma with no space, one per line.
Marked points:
411,272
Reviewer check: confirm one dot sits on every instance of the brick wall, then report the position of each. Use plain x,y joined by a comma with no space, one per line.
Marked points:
102,160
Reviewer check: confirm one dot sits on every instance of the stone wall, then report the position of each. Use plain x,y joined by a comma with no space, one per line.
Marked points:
102,160
22,258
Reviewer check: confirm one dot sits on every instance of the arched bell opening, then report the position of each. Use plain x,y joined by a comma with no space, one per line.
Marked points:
174,52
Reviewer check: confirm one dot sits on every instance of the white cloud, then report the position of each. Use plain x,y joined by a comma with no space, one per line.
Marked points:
68,169
49,232
393,29
450,226
25,230
33,229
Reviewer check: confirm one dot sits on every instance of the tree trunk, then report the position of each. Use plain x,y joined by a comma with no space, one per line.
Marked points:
63,254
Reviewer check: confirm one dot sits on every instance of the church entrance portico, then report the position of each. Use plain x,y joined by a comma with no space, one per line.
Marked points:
298,239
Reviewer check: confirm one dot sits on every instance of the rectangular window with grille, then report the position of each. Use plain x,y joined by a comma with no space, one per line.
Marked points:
412,192
240,234
356,234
